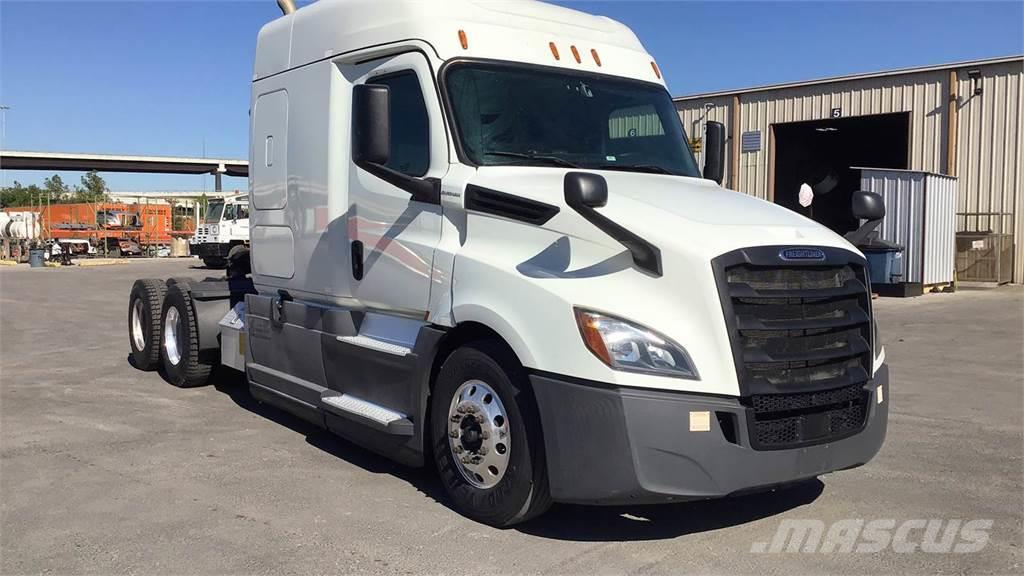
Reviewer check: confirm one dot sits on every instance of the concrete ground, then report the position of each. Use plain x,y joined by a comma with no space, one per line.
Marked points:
105,469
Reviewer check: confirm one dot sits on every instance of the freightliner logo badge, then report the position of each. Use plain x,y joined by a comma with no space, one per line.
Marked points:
802,254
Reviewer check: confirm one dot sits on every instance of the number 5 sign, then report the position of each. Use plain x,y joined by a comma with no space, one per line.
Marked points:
837,112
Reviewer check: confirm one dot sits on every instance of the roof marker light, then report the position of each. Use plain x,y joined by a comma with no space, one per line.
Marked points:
597,59
575,54
463,40
655,68
554,50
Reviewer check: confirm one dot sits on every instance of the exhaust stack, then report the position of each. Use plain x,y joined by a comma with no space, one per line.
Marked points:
286,6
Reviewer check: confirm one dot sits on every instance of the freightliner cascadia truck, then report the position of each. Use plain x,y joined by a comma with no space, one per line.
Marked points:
480,241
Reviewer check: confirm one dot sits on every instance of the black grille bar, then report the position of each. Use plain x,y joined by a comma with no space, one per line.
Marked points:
801,340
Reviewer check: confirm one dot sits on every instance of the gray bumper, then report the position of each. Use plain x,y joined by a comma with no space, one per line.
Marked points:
616,445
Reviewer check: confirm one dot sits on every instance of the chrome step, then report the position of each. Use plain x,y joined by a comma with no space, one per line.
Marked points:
374,344
376,416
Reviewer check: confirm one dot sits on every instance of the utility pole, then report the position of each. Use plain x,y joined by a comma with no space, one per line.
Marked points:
3,141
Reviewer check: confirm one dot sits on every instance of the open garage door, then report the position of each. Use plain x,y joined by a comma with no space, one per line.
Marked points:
820,154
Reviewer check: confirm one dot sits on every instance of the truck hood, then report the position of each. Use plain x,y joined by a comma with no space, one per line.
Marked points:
678,214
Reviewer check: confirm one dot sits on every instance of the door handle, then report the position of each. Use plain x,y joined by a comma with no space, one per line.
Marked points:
277,316
357,259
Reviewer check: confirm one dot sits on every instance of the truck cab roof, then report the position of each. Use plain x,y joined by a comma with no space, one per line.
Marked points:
519,31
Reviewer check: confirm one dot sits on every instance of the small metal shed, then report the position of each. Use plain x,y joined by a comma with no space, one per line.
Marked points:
920,214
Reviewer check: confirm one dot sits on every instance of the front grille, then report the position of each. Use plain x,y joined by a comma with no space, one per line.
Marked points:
801,340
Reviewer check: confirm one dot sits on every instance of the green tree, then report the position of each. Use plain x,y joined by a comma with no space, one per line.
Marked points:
92,189
19,195
58,192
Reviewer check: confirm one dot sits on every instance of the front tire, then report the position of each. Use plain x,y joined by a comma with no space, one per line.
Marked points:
145,322
183,366
215,262
486,436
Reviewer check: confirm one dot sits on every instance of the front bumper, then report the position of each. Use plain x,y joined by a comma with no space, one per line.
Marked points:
610,445
209,249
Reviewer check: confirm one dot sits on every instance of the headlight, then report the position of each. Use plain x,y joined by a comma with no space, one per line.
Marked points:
214,230
630,347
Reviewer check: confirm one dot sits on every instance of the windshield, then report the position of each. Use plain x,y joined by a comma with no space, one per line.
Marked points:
515,115
214,211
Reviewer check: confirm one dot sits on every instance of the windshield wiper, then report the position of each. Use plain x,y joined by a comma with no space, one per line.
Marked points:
650,168
553,160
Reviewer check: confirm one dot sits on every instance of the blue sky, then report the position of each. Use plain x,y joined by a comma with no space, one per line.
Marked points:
172,78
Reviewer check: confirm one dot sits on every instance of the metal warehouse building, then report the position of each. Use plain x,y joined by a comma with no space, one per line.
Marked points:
963,119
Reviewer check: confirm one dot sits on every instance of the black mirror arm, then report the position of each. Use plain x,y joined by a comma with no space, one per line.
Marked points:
861,234
426,190
646,256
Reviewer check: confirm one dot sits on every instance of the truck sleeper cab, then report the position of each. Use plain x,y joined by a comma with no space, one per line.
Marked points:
479,237
225,225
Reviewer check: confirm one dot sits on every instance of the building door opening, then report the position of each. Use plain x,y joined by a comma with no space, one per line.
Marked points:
821,154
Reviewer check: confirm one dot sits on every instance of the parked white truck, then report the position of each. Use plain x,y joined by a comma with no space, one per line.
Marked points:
479,237
224,226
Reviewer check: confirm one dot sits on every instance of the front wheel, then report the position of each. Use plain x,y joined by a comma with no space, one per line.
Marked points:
486,436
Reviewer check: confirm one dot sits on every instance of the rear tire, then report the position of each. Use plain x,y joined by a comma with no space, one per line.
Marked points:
182,364
145,306
501,490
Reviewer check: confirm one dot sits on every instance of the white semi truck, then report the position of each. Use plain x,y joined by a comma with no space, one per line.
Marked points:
480,242
224,226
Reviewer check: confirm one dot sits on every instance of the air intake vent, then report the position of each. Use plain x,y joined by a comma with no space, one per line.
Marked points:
489,201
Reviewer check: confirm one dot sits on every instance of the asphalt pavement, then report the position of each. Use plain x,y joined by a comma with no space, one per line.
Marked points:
108,470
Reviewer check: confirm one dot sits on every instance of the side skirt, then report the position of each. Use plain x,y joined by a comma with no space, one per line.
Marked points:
364,383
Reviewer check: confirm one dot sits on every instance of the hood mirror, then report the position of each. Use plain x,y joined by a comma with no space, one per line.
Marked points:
583,189
867,206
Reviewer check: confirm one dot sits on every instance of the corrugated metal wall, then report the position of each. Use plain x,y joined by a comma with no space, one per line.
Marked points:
990,145
990,136
939,228
903,193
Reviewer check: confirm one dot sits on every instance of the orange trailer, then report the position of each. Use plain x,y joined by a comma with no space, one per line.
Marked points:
112,227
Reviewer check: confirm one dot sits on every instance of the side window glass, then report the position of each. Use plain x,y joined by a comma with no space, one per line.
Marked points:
243,212
410,126
229,212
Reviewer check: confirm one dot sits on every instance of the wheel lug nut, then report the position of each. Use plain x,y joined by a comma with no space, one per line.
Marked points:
485,434
482,451
459,449
479,419
453,434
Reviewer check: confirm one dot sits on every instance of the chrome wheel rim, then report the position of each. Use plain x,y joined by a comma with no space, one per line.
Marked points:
138,336
478,434
172,324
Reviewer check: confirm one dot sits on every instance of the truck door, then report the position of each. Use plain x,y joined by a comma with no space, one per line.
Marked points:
392,236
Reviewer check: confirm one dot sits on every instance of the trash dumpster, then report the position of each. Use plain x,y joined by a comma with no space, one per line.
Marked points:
37,258
885,261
